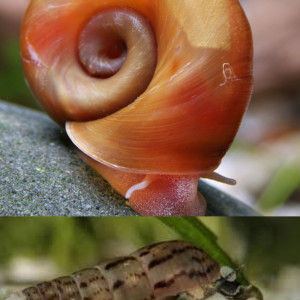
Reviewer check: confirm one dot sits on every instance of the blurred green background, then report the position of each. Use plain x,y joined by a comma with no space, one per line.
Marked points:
12,84
265,247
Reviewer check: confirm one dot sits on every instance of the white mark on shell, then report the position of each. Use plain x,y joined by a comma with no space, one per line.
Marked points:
228,74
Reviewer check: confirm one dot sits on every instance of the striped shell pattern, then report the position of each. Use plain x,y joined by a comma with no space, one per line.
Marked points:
160,271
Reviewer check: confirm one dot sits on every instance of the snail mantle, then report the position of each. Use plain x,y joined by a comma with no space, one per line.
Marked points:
42,175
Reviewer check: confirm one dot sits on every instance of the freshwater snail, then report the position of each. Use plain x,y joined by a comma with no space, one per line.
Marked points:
165,270
151,91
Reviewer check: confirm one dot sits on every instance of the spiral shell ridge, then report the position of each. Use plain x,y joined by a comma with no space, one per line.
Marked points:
155,89
170,127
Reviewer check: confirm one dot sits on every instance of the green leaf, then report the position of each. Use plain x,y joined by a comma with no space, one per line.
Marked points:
281,187
193,230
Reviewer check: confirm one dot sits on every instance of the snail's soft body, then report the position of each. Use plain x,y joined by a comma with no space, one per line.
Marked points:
151,91
156,272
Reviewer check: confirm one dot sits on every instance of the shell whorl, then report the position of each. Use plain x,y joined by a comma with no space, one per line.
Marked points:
104,64
182,118
152,273
156,272
118,45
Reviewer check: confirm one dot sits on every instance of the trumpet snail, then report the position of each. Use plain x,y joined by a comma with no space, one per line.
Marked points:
168,270
151,91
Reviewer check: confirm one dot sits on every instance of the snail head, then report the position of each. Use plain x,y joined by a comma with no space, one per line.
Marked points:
235,291
231,289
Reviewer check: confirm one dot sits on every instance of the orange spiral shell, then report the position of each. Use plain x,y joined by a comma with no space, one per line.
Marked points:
184,120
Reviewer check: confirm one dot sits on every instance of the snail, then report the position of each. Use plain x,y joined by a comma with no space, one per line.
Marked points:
152,92
167,270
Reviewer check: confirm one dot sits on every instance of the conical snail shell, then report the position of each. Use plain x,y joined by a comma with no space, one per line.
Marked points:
157,272
178,108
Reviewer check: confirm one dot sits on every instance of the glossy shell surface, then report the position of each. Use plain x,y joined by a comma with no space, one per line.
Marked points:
185,120
175,83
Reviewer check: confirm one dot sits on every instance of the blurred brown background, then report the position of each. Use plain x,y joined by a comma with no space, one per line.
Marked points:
265,159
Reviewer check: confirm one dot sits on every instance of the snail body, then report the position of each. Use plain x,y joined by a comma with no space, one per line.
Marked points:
157,272
152,91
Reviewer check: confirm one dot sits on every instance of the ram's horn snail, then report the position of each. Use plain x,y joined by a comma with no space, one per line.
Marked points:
152,91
